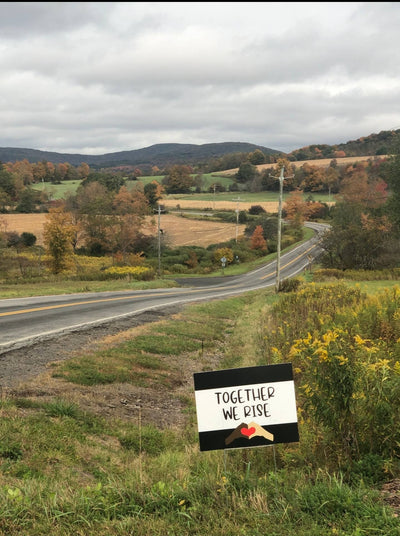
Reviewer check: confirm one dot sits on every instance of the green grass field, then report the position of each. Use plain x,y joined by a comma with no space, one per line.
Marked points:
59,191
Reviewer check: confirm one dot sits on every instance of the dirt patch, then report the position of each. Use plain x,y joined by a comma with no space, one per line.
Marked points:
391,495
28,373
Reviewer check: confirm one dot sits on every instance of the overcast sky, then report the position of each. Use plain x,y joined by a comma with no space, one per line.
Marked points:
101,77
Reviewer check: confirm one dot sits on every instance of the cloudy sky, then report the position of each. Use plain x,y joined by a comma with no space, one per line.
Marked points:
100,77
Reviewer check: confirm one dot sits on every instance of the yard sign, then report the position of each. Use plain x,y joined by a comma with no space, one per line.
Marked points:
246,407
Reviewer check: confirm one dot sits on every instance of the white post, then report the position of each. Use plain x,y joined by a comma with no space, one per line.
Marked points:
159,242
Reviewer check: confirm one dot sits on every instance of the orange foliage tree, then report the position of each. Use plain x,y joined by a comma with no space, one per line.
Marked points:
59,234
257,240
296,209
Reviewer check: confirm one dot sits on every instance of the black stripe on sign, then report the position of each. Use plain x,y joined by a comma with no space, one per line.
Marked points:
242,376
283,433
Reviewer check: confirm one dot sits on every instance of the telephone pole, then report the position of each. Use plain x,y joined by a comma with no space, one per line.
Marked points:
159,239
278,247
237,217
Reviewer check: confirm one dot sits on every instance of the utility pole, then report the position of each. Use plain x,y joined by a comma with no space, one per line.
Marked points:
159,239
237,217
214,186
278,248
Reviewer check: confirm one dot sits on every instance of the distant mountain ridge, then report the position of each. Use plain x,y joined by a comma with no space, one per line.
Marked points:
156,155
164,154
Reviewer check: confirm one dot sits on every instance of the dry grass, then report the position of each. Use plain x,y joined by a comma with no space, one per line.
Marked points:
321,162
269,206
178,231
20,223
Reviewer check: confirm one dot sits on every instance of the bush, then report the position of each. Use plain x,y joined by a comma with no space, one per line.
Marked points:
141,273
256,210
178,269
289,285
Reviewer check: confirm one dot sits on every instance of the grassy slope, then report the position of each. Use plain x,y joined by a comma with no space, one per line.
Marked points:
66,471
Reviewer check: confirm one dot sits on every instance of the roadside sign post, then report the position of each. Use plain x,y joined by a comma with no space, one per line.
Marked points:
223,262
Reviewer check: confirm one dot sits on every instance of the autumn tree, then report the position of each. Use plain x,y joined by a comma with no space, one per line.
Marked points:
391,174
23,171
50,170
61,171
289,174
93,209
7,184
313,179
59,233
332,179
358,240
358,188
83,171
246,172
111,181
296,208
39,171
361,236
153,191
130,209
257,157
178,180
257,240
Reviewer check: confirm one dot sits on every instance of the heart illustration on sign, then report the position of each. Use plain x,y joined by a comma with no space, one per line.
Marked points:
248,431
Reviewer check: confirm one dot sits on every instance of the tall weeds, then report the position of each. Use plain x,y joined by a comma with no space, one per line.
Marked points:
345,350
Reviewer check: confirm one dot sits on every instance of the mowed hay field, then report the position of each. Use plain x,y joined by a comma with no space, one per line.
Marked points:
174,204
177,230
320,162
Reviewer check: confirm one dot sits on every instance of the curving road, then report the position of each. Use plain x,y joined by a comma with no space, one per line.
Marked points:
24,321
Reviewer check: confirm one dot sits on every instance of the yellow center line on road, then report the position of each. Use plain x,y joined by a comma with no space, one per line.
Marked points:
104,300
290,262
60,306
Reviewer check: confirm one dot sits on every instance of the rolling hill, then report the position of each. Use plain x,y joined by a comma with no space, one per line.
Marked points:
164,154
161,155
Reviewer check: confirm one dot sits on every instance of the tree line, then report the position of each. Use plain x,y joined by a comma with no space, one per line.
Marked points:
105,217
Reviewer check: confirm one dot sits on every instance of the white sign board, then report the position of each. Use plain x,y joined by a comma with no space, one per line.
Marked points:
245,407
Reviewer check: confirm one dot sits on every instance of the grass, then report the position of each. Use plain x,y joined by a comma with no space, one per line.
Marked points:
57,191
67,472
248,197
62,286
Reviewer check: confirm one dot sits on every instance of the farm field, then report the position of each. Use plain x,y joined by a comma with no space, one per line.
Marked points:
178,231
321,162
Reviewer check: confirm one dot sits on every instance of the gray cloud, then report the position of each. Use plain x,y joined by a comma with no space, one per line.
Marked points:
98,77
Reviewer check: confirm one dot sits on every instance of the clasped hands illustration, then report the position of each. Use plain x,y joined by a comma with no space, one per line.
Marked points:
248,430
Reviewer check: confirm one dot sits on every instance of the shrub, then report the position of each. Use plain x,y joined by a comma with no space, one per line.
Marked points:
141,273
178,269
256,210
289,285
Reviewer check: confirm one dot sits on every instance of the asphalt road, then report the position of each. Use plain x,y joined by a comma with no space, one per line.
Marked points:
24,321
